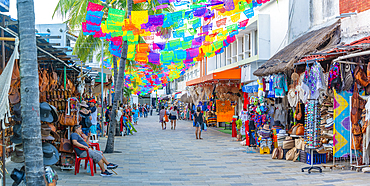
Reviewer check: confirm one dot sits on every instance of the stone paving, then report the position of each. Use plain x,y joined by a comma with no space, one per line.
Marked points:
174,157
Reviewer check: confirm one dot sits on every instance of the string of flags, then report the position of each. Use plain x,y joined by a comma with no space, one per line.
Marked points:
199,29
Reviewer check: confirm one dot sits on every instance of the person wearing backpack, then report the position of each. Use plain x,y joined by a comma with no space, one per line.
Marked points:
85,118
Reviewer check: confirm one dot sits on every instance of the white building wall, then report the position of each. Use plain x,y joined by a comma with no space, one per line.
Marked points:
299,19
323,11
278,14
355,27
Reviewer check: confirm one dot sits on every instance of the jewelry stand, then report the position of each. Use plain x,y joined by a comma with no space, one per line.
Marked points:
312,126
311,167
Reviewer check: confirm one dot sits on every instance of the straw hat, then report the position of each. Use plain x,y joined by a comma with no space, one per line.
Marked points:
83,104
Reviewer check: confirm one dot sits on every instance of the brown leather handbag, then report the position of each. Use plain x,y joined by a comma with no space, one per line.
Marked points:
355,113
300,130
294,130
299,115
65,144
69,120
360,77
14,94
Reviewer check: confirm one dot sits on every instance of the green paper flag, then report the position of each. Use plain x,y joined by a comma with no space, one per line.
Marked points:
232,27
192,31
116,15
196,6
186,45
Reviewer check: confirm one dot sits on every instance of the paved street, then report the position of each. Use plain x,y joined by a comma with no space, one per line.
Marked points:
175,157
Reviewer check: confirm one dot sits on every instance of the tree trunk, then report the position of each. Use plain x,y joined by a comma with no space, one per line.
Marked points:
31,127
109,148
115,70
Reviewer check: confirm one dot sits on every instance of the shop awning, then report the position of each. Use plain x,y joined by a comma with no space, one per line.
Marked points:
231,74
176,95
313,41
165,97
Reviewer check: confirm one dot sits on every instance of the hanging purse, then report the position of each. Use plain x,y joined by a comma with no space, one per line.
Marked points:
299,115
294,130
65,144
69,120
300,130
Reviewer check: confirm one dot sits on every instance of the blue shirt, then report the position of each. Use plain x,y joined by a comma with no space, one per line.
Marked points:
136,112
75,136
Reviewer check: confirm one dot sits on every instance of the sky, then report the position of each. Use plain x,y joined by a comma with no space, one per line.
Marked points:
44,10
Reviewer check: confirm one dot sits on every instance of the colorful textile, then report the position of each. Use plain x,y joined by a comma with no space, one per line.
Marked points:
280,85
342,124
315,80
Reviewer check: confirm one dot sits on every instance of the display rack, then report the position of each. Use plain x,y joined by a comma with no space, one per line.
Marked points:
312,130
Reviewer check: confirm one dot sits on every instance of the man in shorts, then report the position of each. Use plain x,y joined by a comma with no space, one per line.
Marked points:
97,156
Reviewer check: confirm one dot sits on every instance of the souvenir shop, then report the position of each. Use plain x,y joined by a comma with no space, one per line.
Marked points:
61,87
218,100
292,114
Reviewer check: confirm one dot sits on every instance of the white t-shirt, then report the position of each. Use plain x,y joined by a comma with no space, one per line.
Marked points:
94,116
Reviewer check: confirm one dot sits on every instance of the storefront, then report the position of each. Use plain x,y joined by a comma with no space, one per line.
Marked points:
218,94
292,115
62,85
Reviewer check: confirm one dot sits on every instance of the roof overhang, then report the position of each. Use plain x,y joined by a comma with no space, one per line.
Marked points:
231,74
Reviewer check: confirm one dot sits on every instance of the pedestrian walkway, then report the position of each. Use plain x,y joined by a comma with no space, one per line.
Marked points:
174,157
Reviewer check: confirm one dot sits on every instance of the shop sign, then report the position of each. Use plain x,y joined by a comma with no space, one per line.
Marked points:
250,88
224,111
98,79
4,5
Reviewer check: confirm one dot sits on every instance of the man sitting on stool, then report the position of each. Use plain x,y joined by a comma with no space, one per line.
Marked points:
97,156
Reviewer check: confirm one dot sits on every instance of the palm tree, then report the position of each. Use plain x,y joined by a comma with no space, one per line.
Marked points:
76,12
31,130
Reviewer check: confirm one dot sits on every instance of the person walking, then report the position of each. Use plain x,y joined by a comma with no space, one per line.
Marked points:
119,113
198,120
151,110
135,113
162,118
140,110
145,110
173,117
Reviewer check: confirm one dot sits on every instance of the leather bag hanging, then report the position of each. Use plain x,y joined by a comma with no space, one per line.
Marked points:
65,144
69,120
360,76
300,130
14,94
294,130
299,114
